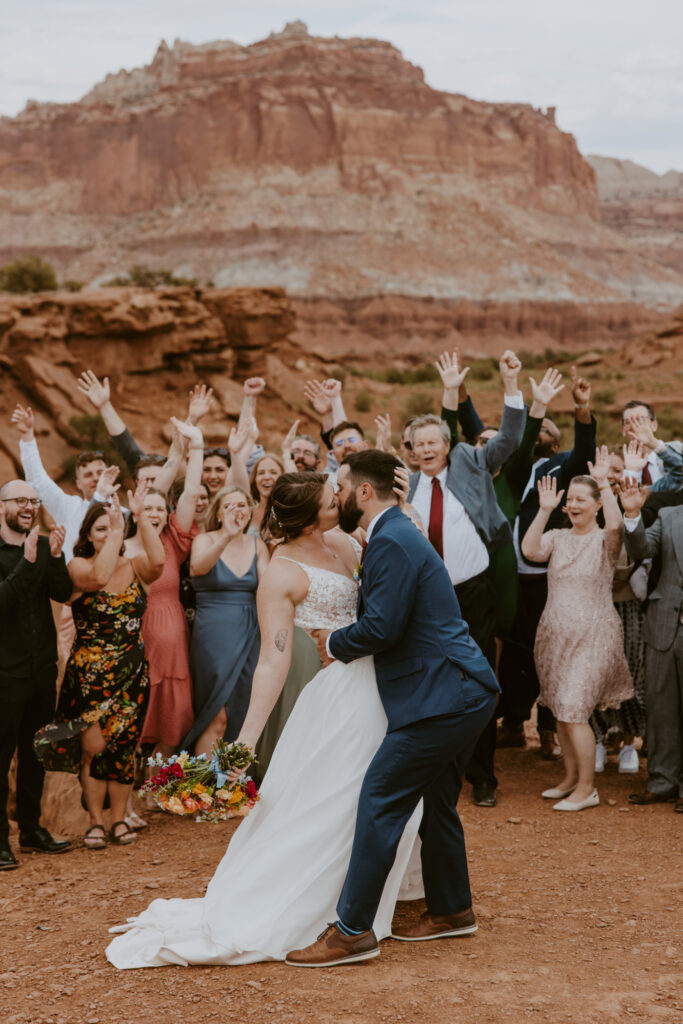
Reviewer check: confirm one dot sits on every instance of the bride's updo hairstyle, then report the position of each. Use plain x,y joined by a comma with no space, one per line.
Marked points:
294,504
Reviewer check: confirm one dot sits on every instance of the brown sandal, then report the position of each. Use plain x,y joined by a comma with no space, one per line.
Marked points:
123,838
95,842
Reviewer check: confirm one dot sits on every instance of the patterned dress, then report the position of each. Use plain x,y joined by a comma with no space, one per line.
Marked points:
579,650
106,681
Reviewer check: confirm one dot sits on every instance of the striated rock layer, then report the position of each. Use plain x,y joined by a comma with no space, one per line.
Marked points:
325,166
645,207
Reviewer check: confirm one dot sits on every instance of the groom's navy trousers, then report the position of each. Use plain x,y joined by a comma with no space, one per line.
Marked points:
423,760
439,692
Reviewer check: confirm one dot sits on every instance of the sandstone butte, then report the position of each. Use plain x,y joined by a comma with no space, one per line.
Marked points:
325,166
345,212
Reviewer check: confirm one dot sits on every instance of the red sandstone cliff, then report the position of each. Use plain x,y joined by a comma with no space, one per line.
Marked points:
326,166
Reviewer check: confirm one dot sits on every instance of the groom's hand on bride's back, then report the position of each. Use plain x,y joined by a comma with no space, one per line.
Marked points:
320,636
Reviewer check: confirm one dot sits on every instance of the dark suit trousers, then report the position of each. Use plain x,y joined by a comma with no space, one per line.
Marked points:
477,602
424,760
26,706
517,669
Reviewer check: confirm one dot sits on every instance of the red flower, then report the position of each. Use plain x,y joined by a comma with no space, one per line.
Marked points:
250,789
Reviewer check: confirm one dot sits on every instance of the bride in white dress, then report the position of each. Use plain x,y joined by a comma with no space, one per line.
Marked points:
281,876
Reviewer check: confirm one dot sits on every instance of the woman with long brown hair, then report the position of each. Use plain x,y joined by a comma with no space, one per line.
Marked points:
104,696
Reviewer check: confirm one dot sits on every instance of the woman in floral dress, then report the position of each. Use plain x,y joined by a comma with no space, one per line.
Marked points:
104,696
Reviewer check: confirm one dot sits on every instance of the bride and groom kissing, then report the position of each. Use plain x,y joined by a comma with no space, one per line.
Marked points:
380,737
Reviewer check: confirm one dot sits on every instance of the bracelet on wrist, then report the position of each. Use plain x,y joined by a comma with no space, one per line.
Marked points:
582,405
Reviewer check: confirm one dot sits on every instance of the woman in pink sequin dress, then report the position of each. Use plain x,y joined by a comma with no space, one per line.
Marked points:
579,650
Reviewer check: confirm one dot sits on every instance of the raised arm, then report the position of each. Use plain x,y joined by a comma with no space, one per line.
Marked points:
207,548
185,509
452,377
150,564
171,469
507,440
533,546
91,575
57,502
610,505
240,444
98,394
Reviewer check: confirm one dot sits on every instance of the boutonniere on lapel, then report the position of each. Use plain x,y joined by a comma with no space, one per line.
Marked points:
358,573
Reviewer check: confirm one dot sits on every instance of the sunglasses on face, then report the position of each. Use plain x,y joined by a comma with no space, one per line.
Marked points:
26,502
222,453
340,442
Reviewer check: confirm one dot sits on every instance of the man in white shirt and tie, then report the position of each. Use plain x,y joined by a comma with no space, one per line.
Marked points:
453,494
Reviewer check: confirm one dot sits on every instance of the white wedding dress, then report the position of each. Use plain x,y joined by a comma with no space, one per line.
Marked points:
279,881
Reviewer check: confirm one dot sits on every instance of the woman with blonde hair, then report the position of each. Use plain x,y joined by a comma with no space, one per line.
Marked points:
264,473
226,563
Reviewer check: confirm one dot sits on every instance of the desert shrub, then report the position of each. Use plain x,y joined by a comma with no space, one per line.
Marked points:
484,369
362,402
605,397
28,274
140,276
418,403
72,286
670,422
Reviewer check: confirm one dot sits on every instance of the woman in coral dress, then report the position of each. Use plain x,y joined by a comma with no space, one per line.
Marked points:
164,626
579,649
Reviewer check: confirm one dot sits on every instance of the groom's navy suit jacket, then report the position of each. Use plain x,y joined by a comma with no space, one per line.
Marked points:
410,620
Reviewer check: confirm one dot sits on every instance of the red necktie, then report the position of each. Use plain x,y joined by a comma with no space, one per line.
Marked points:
646,475
435,530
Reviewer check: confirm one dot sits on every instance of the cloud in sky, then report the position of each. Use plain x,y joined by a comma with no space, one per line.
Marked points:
612,68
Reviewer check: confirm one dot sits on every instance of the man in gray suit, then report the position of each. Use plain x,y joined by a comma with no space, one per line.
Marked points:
664,652
453,494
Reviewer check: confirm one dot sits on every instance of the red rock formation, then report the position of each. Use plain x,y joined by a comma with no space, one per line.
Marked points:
326,166
645,207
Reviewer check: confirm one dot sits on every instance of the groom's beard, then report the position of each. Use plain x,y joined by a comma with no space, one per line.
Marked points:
350,515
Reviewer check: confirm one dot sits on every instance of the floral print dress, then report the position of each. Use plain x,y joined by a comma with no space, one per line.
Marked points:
106,681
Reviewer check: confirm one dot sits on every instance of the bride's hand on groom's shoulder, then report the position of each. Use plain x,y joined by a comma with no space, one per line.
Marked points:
320,636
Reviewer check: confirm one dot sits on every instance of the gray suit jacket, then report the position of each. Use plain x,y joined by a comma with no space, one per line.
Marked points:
664,538
470,478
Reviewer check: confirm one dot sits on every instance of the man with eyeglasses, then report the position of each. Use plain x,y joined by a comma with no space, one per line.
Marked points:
32,571
347,437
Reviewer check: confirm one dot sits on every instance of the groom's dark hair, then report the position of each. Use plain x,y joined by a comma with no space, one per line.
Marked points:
375,467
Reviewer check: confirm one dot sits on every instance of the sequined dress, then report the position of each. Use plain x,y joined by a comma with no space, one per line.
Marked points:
579,649
279,882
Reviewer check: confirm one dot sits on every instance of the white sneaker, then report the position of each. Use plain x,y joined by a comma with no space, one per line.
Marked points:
628,760
600,757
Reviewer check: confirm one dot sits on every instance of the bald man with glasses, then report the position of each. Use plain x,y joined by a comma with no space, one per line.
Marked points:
32,571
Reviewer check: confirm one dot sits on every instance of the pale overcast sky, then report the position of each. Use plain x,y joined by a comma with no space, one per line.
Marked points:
613,68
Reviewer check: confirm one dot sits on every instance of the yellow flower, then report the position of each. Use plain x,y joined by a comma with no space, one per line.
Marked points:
236,796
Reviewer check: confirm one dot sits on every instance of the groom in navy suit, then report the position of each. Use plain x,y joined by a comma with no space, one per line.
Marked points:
438,691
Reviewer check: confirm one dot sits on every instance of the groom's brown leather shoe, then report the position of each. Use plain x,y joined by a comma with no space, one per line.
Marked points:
431,926
332,947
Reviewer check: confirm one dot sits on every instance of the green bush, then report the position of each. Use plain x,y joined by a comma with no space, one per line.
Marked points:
417,404
484,369
140,276
28,274
362,402
605,397
72,286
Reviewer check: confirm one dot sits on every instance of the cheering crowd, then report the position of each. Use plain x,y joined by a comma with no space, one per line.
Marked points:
566,558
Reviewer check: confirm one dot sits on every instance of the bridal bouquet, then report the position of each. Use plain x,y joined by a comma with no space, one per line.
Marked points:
199,785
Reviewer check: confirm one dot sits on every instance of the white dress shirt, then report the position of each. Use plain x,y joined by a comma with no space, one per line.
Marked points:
67,510
464,552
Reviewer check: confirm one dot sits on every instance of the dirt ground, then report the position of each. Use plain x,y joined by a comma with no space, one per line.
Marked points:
579,920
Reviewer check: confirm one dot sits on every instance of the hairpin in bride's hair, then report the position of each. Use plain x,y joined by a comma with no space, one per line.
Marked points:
273,516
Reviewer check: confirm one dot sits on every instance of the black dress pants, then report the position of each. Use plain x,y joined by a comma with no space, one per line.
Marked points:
517,669
26,705
477,602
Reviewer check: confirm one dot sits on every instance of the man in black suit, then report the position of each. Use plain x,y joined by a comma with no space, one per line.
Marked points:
32,570
517,671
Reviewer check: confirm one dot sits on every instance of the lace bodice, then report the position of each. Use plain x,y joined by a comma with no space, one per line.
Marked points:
331,599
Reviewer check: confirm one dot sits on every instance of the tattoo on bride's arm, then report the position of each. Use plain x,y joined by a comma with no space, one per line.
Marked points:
281,639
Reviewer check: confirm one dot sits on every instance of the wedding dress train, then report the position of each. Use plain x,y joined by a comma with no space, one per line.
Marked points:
279,881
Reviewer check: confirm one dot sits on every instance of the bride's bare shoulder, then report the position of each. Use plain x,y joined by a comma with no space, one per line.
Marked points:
284,576
342,543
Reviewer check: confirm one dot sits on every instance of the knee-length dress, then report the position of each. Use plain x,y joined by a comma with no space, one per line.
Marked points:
106,681
166,636
579,650
225,646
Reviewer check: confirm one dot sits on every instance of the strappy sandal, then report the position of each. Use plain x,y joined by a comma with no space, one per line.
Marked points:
123,838
95,842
